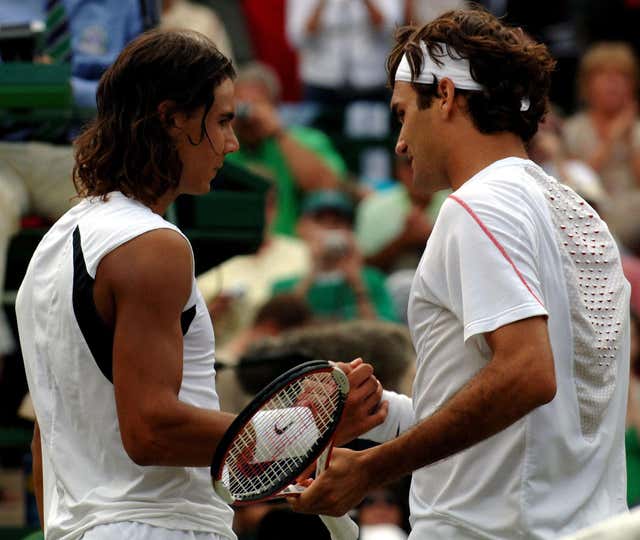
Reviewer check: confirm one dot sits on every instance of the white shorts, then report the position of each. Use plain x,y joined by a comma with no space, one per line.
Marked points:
134,530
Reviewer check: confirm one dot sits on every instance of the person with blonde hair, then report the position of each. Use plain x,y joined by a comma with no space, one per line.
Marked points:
606,134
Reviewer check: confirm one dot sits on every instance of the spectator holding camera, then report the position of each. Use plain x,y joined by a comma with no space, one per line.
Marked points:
339,285
298,159
392,226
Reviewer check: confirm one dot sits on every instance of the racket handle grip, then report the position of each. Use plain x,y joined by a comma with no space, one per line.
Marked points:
341,528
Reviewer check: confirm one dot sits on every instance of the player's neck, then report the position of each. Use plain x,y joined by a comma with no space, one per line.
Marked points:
161,206
479,152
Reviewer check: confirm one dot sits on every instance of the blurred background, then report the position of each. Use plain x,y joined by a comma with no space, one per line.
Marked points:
307,244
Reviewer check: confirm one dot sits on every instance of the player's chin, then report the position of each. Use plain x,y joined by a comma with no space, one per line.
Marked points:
200,188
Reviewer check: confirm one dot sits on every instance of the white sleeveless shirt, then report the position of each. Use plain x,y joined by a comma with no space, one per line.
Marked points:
88,477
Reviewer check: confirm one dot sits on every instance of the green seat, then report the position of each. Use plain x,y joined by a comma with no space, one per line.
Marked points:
38,535
20,533
25,86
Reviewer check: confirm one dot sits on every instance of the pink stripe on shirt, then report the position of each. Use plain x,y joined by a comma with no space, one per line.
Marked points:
495,243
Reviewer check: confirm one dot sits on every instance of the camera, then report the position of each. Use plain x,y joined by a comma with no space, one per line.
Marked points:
336,245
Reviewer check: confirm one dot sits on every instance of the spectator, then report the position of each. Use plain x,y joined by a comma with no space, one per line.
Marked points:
36,176
339,285
298,159
342,47
201,18
280,314
422,11
265,23
237,288
547,148
392,226
384,345
607,133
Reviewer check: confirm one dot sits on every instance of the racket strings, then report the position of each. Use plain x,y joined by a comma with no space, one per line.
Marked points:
282,435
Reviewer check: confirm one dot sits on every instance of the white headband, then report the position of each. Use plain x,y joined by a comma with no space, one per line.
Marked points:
453,66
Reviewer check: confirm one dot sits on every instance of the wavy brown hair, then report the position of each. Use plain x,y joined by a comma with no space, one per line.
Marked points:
127,147
503,59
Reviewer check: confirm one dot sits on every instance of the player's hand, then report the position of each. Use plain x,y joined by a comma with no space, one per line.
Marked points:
339,488
364,409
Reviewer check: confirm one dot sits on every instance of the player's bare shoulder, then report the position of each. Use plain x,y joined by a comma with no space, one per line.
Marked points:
157,263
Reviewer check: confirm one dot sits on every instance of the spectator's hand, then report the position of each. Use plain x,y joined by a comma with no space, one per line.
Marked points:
265,120
417,228
220,305
363,410
314,237
620,127
43,59
550,145
351,263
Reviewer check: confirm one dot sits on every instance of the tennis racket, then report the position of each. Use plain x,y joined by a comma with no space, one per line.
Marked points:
286,427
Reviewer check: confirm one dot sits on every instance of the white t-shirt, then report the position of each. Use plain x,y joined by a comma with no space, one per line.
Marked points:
88,478
347,49
512,243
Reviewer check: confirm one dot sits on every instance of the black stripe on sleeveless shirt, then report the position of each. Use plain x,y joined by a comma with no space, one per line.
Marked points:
97,334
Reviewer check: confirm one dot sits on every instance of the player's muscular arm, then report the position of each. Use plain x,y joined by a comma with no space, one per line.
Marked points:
150,281
519,378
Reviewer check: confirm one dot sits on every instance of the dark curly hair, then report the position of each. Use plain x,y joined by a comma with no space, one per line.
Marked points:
506,62
127,147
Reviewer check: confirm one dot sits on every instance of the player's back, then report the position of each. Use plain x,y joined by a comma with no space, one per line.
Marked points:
88,477
513,243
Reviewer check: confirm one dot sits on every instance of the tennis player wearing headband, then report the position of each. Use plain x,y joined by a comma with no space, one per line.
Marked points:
519,310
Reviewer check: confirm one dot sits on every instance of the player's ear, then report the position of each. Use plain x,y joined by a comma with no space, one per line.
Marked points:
447,92
172,119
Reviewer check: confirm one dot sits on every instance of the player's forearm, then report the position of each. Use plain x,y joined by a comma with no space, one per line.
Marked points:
174,434
491,402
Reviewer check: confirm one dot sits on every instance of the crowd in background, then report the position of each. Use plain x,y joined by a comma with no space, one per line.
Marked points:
333,273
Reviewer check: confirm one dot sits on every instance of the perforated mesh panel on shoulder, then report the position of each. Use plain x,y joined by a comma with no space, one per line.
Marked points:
595,286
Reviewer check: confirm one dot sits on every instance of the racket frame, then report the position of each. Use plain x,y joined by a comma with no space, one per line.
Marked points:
256,404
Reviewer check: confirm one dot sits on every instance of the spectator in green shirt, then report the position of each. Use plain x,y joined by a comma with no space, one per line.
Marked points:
339,286
298,159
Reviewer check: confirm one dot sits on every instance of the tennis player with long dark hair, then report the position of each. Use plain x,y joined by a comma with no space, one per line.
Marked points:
117,341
